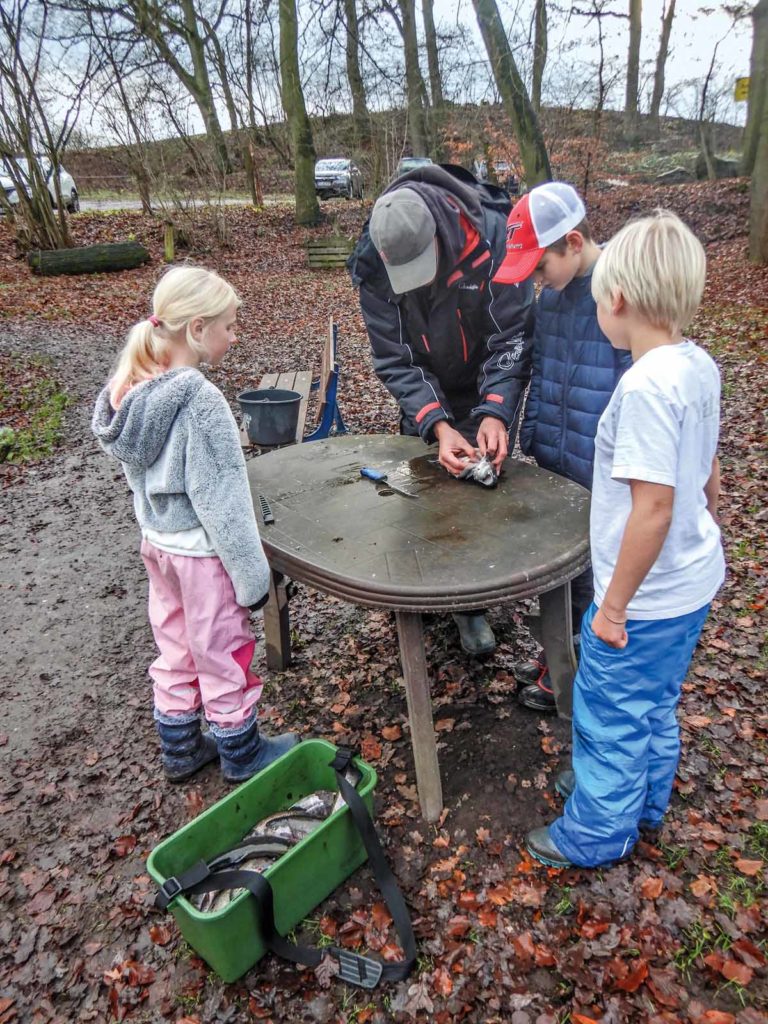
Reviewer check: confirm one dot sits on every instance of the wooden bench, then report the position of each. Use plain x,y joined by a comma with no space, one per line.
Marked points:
324,253
328,413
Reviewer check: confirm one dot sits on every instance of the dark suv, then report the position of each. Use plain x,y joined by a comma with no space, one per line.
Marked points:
336,176
411,163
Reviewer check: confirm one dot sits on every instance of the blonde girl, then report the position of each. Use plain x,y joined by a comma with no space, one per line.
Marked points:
178,443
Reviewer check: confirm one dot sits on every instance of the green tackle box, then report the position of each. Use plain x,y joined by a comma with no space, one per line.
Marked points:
230,939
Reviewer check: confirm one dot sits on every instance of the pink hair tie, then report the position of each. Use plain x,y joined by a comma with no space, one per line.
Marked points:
153,320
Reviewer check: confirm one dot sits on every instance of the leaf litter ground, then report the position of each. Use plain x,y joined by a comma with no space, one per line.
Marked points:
677,934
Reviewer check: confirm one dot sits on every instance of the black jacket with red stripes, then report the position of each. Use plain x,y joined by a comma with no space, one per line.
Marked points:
461,346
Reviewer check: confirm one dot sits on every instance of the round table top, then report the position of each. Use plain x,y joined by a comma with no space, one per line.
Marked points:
457,545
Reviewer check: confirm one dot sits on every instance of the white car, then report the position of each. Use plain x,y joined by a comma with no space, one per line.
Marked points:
67,185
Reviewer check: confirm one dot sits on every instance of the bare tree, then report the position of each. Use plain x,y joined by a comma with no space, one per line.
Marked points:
633,68
514,96
539,52
404,17
433,60
661,63
758,209
360,115
758,86
37,116
307,209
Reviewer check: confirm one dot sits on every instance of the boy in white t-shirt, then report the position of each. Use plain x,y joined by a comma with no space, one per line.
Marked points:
656,552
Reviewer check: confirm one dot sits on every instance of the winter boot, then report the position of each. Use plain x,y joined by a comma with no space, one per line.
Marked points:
186,748
244,751
475,634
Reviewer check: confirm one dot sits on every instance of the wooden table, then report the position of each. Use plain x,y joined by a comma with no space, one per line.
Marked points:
457,547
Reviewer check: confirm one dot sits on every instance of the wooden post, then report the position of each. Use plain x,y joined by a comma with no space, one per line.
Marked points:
169,243
556,633
411,636
277,627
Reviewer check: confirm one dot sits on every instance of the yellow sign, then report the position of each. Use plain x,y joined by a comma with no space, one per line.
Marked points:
741,89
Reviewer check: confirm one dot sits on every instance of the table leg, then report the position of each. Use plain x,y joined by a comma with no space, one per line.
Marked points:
277,629
417,692
556,628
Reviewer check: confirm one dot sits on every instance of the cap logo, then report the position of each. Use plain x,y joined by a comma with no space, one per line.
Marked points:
511,229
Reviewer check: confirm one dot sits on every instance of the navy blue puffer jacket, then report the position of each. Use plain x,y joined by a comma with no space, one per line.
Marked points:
575,369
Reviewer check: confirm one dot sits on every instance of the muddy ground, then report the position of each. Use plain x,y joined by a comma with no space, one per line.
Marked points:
675,935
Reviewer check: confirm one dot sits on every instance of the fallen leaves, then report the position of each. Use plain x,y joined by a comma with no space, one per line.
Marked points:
651,888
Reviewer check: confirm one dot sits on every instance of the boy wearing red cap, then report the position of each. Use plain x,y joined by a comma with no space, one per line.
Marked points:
575,368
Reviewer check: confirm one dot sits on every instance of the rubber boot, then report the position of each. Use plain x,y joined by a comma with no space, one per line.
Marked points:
475,634
244,751
185,747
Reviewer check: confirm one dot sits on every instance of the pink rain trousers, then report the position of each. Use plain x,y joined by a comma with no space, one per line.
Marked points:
203,634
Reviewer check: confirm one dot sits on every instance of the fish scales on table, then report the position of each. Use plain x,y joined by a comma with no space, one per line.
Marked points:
270,838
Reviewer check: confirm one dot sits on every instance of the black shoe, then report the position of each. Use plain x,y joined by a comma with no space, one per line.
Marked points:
475,634
527,672
539,696
539,844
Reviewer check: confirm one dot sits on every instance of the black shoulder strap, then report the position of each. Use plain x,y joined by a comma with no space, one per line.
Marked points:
353,968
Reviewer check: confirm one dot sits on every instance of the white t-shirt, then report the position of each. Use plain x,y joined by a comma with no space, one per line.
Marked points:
194,542
661,426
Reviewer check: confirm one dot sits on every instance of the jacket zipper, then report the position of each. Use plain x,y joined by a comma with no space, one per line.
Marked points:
463,336
566,379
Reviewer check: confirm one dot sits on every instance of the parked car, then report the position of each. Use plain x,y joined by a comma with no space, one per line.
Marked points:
67,185
411,163
336,176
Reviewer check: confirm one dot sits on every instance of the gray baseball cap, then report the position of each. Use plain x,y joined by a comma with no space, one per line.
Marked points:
403,231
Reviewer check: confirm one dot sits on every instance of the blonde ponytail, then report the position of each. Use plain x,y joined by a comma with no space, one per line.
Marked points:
182,295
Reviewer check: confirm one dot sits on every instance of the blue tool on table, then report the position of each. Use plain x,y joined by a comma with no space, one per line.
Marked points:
380,477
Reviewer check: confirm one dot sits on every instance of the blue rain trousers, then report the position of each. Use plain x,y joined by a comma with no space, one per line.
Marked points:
626,740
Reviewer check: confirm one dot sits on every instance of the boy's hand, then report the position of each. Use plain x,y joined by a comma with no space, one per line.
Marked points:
610,633
493,440
452,445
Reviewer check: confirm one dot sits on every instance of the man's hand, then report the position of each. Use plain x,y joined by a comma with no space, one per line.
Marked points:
493,440
611,633
452,446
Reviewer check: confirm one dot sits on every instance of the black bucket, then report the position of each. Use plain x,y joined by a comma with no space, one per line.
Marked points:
270,415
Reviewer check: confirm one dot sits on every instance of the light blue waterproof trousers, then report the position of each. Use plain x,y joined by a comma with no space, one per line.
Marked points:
626,740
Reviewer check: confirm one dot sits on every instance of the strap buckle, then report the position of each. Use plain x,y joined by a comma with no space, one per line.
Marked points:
169,890
343,757
359,970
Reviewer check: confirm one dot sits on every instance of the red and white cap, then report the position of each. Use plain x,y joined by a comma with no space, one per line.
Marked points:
539,219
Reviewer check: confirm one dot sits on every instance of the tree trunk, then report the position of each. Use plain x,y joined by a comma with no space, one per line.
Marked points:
417,126
435,81
307,209
633,69
436,112
517,105
360,116
661,63
539,52
758,208
758,86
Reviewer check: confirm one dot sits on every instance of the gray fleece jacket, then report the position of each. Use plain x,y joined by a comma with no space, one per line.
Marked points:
179,445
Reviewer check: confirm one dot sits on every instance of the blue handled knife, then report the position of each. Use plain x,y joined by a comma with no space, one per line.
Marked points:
379,477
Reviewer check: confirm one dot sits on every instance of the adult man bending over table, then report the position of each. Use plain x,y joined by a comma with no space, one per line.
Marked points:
450,344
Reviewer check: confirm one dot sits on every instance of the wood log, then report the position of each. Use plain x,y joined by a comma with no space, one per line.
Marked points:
88,259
